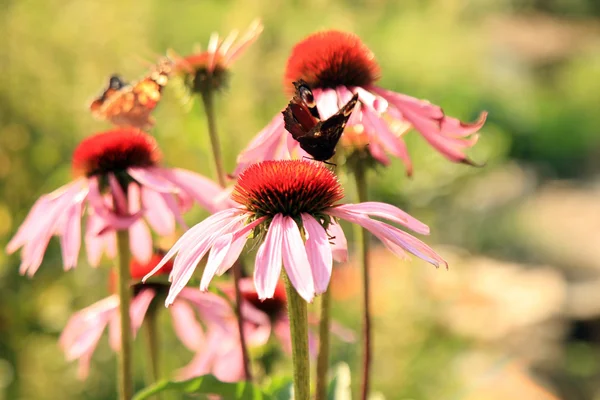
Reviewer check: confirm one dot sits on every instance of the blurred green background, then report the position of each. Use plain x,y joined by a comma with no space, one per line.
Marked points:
517,316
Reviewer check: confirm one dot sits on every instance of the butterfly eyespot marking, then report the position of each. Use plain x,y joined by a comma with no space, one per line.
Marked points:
307,96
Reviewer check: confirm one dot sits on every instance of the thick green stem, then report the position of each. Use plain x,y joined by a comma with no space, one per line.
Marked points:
125,356
323,357
207,99
362,237
298,315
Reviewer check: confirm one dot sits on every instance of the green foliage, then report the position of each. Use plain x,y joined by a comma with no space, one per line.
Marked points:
206,384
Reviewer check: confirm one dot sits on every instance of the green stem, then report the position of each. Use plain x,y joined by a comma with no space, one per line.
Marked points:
323,356
125,358
150,327
298,315
207,100
362,237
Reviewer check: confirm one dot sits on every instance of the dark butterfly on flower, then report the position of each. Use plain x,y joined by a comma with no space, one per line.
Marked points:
301,118
127,104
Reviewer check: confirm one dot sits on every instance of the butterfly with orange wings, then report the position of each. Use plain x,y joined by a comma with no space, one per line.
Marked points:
317,137
125,104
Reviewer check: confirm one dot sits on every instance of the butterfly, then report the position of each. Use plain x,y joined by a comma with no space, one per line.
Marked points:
126,104
317,137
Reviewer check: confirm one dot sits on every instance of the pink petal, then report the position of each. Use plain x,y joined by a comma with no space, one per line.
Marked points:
137,311
389,212
345,334
201,189
70,242
339,245
193,235
250,37
319,253
369,100
229,366
267,266
393,144
264,146
389,234
379,154
140,241
118,195
157,213
202,361
186,325
189,256
213,309
410,104
456,128
327,102
152,178
240,238
295,260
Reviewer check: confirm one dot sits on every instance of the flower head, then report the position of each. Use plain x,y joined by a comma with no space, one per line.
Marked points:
330,59
294,228
208,70
119,184
84,329
338,65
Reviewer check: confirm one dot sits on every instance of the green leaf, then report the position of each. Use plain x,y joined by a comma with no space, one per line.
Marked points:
206,384
280,388
339,387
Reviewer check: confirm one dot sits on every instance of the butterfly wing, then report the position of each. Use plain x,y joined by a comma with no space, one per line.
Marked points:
320,142
131,105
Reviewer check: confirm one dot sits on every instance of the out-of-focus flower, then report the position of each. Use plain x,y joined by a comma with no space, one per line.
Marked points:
337,65
290,206
105,164
275,309
84,329
208,70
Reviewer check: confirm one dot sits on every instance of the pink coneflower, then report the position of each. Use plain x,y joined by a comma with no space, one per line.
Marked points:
336,65
84,329
289,205
208,69
103,165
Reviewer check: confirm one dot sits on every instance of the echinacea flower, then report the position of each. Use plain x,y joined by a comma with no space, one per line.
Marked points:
117,181
207,70
84,329
290,206
337,65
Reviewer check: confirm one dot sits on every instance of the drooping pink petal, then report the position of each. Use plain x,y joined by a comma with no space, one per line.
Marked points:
390,234
296,261
192,236
337,239
189,256
407,103
389,212
201,189
267,267
137,311
257,326
186,325
71,235
226,250
319,253
379,129
453,127
94,245
152,178
370,101
213,309
85,327
140,238
282,332
378,153
99,204
157,213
